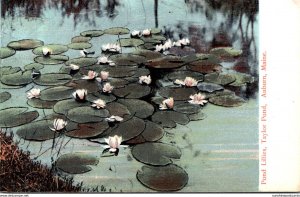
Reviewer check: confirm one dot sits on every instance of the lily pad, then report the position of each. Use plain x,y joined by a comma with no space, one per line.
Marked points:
178,93
50,79
117,109
4,86
82,61
148,54
87,114
182,74
187,108
132,91
167,62
225,52
16,116
38,103
219,78
36,66
155,30
55,49
117,31
209,87
90,85
138,108
163,178
129,129
118,82
51,60
130,42
126,59
169,118
76,163
156,39
62,107
205,69
152,132
4,96
17,79
6,52
88,130
202,59
77,39
79,45
227,100
198,116
96,95
242,79
181,51
203,63
92,33
6,70
25,44
120,72
154,153
56,93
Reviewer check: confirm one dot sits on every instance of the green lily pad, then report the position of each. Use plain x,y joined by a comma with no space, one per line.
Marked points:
129,129
90,85
117,109
6,70
79,45
36,66
148,54
242,79
153,132
169,118
163,178
227,100
118,82
96,95
202,59
136,140
77,39
38,103
182,74
82,61
138,108
56,93
4,96
130,42
154,153
92,33
25,44
187,108
209,87
76,163
178,93
166,62
205,69
17,79
181,51
4,86
87,114
225,52
132,91
51,60
55,49
120,72
155,30
219,78
88,130
117,31
126,59
16,116
50,79
157,39
6,52
198,116
62,107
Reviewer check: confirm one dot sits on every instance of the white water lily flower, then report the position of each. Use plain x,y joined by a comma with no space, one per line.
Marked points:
83,53
107,88
168,44
114,143
179,82
74,67
46,51
114,119
190,82
99,103
184,41
136,33
146,32
145,79
34,93
159,48
197,99
59,124
104,75
80,94
177,43
167,104
111,47
91,75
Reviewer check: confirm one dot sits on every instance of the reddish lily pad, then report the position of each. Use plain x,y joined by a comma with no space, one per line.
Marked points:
56,93
169,118
163,178
152,132
167,62
25,44
117,109
138,108
51,79
55,49
88,130
90,85
132,91
178,93
227,100
16,116
6,52
181,51
219,78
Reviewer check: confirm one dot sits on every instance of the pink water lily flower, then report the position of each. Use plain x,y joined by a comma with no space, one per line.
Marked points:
145,79
104,75
80,94
34,93
107,88
114,119
190,82
167,104
91,75
99,103
198,99
146,32
113,143
59,124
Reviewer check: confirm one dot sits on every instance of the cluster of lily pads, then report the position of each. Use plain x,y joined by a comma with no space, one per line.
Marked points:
124,98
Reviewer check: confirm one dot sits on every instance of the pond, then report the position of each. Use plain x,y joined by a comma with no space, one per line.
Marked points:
210,146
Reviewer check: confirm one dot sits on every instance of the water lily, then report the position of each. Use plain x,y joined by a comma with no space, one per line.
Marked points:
91,75
167,104
111,47
114,119
35,73
83,53
99,103
168,44
114,143
104,75
190,82
145,79
107,88
58,124
136,33
46,51
34,93
74,69
159,48
80,94
179,82
146,32
197,99
184,41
